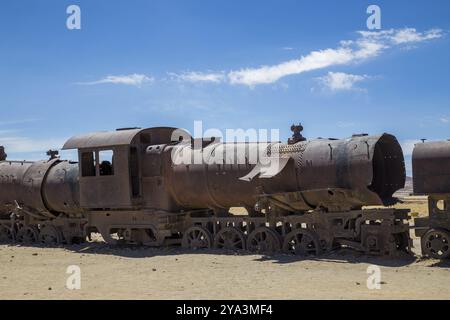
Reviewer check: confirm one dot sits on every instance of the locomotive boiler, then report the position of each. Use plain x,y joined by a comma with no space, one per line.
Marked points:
159,186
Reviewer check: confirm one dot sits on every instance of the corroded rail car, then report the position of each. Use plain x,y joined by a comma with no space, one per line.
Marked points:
132,187
431,177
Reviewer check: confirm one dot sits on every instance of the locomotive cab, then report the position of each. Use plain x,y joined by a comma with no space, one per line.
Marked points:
110,166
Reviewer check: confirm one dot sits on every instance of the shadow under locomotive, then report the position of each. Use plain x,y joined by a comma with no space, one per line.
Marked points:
336,256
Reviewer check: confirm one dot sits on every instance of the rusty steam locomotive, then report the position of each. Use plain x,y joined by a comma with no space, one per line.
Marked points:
132,187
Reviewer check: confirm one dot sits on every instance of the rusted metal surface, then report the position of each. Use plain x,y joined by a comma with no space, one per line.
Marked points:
120,137
334,174
331,174
101,139
33,181
376,231
134,182
3,154
306,200
60,191
431,176
296,134
431,167
42,188
11,177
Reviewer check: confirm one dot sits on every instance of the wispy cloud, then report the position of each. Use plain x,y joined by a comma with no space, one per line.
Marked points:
134,79
340,81
444,120
270,74
401,36
367,45
18,121
33,149
199,76
19,144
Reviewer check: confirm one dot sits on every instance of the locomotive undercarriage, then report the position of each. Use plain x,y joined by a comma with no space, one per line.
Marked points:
50,232
377,231
372,231
434,230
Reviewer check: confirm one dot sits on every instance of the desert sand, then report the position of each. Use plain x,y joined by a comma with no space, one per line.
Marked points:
172,273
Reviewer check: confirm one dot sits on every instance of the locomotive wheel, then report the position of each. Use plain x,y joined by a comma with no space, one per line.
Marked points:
197,238
7,234
436,244
230,238
302,242
50,235
27,235
263,240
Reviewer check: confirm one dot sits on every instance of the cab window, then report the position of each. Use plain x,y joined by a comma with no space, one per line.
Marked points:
106,162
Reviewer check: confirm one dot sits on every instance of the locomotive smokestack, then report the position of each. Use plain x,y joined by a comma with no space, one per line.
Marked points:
296,134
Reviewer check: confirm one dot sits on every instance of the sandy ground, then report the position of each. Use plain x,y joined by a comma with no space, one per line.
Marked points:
172,273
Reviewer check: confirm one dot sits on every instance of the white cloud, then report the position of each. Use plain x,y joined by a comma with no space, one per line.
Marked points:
444,120
270,74
132,80
18,144
369,44
402,36
339,81
8,131
199,77
22,146
32,149
21,121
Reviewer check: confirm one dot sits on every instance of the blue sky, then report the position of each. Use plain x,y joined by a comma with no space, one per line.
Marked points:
231,64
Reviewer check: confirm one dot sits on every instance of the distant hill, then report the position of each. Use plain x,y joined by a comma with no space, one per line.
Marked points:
407,190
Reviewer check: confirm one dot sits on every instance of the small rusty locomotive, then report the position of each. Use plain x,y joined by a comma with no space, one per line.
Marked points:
159,187
431,177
